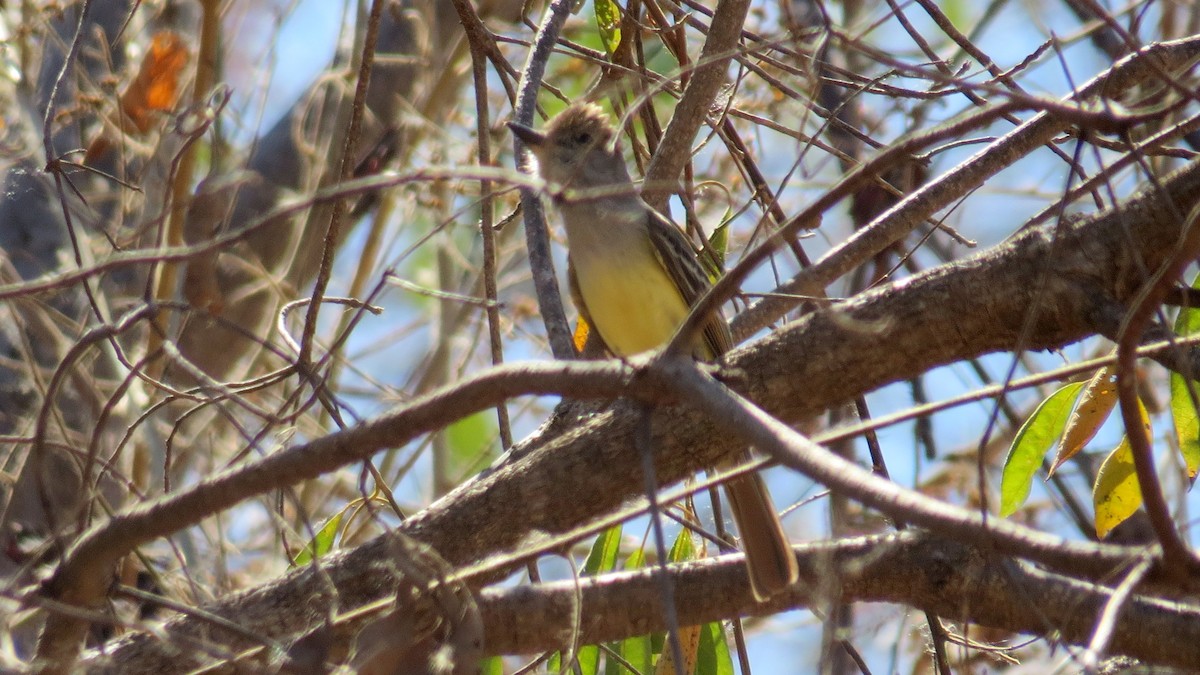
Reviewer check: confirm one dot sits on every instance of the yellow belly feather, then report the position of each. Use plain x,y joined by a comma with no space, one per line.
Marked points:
634,303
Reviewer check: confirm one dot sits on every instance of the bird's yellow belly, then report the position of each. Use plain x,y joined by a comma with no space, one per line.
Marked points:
636,307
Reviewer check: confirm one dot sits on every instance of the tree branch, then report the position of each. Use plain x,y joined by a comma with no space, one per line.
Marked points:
965,310
916,569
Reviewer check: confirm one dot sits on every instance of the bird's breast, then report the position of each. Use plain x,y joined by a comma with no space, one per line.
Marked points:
629,296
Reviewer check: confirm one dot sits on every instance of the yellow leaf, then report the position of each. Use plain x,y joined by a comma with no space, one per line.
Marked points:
682,550
1117,495
1095,403
689,637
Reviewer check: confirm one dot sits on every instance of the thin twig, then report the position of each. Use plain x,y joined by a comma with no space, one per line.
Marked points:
349,161
1178,558
537,240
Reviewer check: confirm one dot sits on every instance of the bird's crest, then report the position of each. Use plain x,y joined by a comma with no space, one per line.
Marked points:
581,124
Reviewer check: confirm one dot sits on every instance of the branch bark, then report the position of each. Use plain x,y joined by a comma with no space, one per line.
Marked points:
936,574
976,307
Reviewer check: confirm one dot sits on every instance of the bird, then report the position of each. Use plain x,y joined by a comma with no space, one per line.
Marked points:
634,277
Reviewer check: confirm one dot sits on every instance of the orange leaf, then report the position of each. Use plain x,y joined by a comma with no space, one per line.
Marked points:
156,87
1095,403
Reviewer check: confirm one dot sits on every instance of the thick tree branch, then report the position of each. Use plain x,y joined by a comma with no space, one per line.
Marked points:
83,576
964,310
704,83
940,575
1048,286
940,192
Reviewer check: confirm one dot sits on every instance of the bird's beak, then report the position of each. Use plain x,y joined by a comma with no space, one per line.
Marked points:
534,139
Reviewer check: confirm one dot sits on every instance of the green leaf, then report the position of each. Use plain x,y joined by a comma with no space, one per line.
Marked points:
712,658
712,256
956,11
690,637
1186,422
471,441
684,548
1188,320
588,659
1031,444
321,543
1184,416
492,665
718,241
608,22
639,650
603,556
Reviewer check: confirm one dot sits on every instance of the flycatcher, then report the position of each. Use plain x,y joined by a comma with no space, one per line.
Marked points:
634,277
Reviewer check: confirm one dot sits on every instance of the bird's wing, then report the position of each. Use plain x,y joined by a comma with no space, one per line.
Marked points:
678,257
